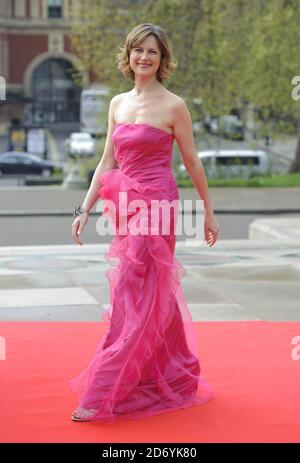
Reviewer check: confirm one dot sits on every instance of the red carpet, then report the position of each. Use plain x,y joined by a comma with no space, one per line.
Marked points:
249,365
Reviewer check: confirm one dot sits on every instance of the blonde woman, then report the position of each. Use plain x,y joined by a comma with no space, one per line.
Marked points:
147,362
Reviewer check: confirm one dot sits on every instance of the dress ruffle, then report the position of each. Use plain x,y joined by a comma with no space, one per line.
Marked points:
147,361
117,180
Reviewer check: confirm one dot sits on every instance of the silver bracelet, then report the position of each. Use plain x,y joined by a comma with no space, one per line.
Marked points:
78,210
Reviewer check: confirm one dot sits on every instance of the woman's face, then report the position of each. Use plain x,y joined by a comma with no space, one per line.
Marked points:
145,57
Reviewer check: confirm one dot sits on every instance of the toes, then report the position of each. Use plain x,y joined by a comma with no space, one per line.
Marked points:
83,414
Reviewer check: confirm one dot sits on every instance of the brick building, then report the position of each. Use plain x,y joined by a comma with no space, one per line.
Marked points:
36,60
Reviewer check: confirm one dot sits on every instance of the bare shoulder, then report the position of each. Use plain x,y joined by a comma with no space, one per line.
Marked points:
174,99
115,100
177,105
114,104
182,124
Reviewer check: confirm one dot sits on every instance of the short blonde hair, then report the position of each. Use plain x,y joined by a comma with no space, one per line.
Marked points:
135,37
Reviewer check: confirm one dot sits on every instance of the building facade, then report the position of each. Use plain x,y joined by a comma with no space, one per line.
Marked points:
36,60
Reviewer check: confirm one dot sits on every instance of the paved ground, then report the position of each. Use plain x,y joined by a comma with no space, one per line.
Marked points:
233,280
51,230
58,200
43,216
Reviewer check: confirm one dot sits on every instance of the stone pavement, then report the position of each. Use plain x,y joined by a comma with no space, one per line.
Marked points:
232,280
253,279
59,201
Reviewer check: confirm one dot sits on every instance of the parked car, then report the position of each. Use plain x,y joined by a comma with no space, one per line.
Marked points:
211,124
228,125
231,163
20,162
81,144
231,127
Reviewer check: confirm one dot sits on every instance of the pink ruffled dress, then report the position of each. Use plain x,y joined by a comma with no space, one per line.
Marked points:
147,361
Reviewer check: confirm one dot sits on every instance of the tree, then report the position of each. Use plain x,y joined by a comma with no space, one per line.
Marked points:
104,26
260,42
229,52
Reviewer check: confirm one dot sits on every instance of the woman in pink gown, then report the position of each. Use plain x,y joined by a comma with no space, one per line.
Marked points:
147,361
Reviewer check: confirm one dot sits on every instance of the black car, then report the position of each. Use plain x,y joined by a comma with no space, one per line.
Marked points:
21,163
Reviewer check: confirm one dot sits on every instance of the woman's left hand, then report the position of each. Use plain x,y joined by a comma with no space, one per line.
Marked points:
211,229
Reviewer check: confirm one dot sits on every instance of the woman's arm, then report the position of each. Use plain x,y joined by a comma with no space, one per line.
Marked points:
183,132
107,161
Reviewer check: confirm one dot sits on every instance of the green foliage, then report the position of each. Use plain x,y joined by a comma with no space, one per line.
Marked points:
230,54
266,181
57,172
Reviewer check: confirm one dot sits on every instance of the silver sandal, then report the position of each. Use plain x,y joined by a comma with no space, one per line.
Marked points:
83,414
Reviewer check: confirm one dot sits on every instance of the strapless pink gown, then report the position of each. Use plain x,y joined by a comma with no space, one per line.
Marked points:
147,361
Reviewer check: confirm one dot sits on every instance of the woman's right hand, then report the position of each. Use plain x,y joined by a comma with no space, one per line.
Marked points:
78,227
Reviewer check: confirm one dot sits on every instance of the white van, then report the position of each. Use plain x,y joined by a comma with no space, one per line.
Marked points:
231,163
92,107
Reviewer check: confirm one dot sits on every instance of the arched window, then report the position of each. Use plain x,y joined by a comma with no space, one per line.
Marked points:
56,97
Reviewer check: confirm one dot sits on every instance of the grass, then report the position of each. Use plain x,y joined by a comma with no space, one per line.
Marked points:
286,180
